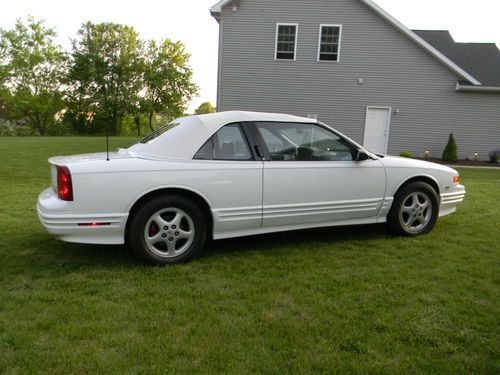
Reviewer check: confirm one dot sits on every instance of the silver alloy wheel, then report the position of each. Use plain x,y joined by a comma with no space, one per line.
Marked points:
416,211
169,232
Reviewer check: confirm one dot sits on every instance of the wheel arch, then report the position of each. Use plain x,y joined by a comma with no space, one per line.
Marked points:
188,193
420,178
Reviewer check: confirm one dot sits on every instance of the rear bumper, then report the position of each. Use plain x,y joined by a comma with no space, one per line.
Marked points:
58,219
449,201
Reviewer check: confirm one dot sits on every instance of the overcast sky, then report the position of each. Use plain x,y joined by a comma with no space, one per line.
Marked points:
190,22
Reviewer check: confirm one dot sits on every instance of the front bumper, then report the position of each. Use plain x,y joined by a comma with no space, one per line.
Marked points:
449,201
58,219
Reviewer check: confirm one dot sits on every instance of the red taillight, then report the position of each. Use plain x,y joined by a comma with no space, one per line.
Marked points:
64,185
455,180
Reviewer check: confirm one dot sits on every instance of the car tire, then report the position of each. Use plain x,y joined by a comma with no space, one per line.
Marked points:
415,210
167,229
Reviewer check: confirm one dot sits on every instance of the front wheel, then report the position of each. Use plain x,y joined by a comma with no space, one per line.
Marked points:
415,210
167,229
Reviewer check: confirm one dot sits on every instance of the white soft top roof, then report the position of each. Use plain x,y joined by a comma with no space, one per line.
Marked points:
183,141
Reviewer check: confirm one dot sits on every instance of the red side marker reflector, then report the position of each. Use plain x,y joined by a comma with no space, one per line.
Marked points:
92,224
455,180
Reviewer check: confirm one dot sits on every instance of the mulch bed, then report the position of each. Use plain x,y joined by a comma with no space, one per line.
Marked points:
467,163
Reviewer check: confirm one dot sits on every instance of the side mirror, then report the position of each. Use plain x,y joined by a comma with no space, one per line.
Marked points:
362,155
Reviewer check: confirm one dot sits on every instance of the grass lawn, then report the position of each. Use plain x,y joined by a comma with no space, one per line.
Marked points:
348,300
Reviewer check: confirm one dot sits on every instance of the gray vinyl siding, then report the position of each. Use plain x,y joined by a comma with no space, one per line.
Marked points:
397,73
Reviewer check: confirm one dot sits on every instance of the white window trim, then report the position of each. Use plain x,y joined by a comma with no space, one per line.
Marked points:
319,42
296,41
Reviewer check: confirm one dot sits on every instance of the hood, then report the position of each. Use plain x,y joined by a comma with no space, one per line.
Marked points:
400,162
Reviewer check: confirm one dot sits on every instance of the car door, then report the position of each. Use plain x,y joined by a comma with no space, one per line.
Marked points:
231,177
311,177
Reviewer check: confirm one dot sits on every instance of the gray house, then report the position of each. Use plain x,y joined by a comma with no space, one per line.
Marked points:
355,67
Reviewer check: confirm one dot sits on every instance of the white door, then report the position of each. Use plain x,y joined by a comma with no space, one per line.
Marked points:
313,177
377,124
297,193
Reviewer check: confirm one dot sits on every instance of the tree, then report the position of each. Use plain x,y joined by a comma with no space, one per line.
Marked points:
5,109
450,151
205,107
137,106
105,72
32,69
138,110
167,80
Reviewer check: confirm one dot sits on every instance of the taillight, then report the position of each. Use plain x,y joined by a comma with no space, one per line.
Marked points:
64,185
455,180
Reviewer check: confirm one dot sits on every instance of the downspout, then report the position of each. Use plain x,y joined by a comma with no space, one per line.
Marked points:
219,66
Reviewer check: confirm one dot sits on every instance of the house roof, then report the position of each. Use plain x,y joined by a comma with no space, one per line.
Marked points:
217,8
423,43
482,60
462,72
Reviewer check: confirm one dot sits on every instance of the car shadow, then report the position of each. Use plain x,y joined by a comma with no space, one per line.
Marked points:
329,235
71,255
118,255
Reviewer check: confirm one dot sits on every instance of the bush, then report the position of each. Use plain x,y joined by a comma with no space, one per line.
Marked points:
24,131
7,130
494,156
405,154
450,151
58,129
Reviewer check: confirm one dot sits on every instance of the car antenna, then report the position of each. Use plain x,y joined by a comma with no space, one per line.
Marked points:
107,142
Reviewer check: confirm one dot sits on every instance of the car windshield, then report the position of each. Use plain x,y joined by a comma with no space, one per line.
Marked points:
161,130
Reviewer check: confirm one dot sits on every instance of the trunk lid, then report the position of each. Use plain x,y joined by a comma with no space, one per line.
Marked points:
71,160
99,156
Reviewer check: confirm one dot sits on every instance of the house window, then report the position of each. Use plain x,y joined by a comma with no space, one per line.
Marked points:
329,42
286,41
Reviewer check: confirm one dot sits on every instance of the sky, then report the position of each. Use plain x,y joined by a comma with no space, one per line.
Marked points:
190,22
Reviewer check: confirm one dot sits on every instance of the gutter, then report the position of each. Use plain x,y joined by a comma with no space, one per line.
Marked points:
469,88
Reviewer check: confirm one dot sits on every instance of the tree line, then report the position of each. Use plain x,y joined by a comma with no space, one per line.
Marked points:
110,79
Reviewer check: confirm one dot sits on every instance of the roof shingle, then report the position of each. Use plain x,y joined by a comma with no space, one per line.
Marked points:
481,60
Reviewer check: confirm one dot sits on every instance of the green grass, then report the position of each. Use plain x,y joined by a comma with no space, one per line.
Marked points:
349,300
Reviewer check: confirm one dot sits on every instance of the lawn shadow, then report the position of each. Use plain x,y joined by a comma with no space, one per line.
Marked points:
112,255
329,235
73,255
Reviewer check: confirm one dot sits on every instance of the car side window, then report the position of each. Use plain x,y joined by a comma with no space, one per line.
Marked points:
206,152
229,143
304,142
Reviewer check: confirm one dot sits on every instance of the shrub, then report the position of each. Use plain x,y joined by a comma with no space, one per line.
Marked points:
58,129
6,130
494,156
405,154
450,151
24,131
9,129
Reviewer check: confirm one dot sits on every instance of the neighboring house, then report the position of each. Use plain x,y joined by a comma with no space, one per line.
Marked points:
358,69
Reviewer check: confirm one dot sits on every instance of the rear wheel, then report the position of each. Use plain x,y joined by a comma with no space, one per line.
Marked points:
167,229
414,210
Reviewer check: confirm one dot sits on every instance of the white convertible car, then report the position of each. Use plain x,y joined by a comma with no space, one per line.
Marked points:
235,174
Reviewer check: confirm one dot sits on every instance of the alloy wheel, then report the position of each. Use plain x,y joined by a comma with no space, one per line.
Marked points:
169,232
